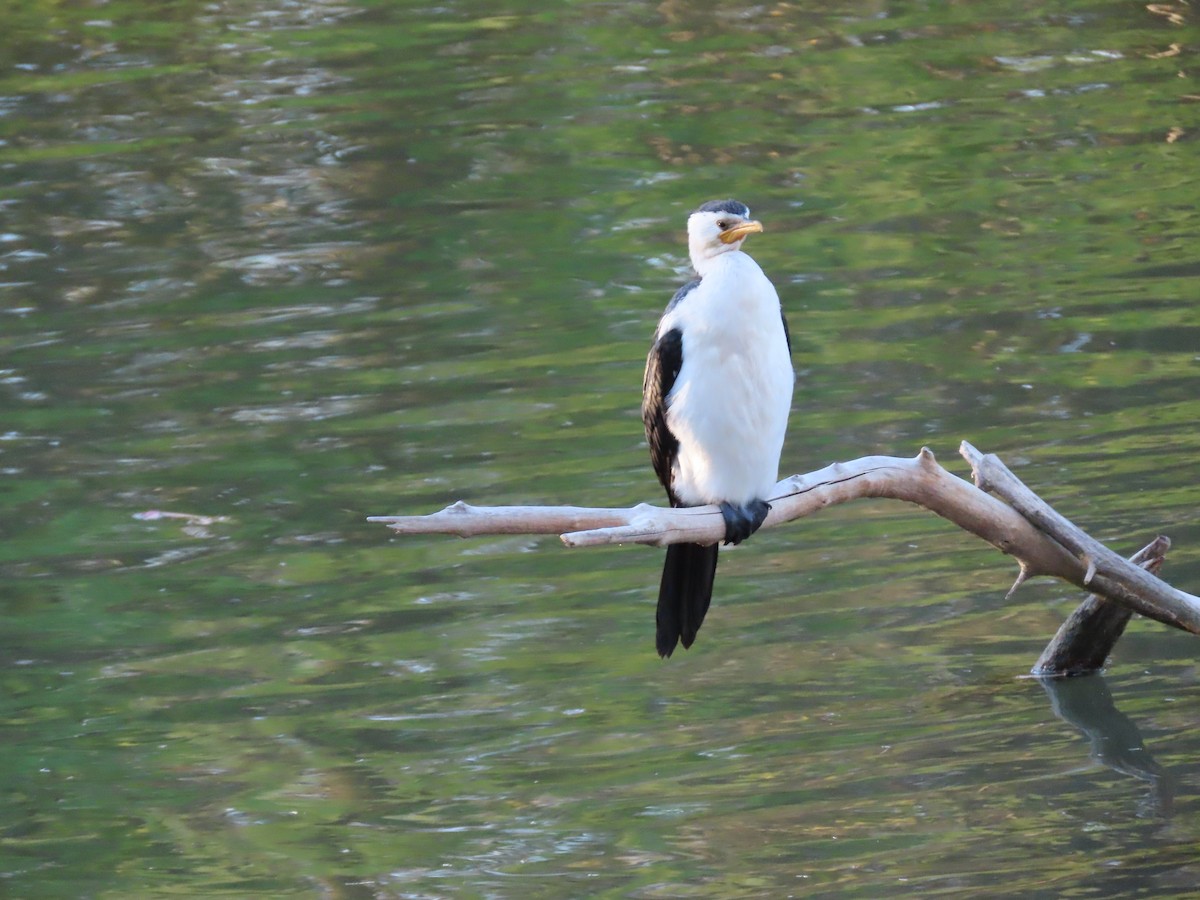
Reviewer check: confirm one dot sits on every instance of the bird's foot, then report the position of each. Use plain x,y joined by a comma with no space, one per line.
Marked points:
743,521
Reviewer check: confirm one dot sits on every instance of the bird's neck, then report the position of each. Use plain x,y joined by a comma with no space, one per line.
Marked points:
719,262
733,300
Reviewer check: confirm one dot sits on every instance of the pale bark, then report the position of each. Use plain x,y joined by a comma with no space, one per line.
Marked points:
1104,572
1042,541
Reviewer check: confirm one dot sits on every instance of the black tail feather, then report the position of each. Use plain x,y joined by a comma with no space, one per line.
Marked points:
684,594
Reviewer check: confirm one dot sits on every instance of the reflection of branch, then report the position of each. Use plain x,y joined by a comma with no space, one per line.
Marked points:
1088,635
1117,743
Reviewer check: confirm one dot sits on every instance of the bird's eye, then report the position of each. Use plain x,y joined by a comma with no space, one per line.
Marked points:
724,224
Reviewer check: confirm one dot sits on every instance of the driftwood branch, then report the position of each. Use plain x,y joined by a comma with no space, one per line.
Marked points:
1105,572
1022,525
1088,635
919,480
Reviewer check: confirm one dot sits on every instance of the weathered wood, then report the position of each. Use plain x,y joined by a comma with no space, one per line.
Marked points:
464,520
1086,638
919,480
1104,572
1042,542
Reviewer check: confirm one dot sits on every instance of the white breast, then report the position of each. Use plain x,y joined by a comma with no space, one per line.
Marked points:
729,406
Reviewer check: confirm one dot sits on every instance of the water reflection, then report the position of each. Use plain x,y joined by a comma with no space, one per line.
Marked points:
270,266
1085,702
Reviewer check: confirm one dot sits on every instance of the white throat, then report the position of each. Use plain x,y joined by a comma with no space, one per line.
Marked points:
703,249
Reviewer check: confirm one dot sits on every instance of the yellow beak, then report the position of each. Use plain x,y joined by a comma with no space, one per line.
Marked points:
739,231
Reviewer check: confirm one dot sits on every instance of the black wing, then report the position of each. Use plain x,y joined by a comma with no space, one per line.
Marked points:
685,591
787,335
662,368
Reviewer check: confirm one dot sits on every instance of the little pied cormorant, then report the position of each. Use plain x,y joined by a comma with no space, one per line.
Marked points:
715,402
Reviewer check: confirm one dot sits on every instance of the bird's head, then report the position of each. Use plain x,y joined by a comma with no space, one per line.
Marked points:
717,227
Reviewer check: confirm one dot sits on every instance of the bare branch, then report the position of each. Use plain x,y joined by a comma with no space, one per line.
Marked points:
1042,542
465,520
1104,572
1021,576
1088,635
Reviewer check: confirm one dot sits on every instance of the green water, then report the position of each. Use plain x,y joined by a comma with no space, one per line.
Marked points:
277,268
